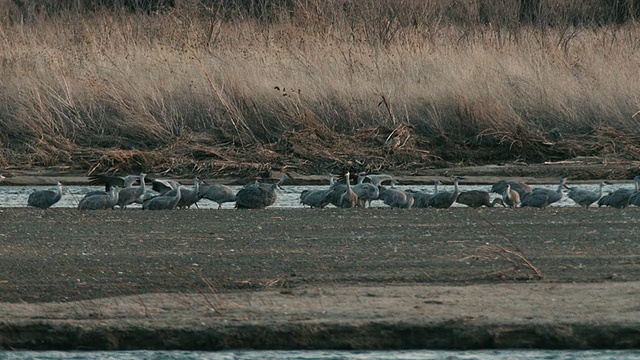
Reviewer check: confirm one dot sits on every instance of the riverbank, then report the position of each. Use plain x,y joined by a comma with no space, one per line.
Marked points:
569,316
591,169
316,86
305,279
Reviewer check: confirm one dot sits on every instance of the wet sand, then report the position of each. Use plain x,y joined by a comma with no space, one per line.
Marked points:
309,279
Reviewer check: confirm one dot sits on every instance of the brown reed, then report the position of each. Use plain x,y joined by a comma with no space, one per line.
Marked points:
263,82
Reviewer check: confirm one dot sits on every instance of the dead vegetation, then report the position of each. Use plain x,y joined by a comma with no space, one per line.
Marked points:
235,88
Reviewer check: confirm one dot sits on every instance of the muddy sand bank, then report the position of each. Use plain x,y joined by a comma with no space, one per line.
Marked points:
307,279
577,170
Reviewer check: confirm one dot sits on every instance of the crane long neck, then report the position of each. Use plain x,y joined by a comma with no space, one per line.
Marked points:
113,197
282,179
507,193
58,193
407,199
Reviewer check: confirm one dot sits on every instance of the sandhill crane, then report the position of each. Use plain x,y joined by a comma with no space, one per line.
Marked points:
478,198
585,197
163,202
332,180
539,200
258,196
620,198
395,197
112,180
604,201
217,193
376,179
368,191
314,198
635,199
348,199
158,187
420,199
127,181
100,202
162,186
444,200
96,192
44,199
190,196
541,197
130,194
334,195
521,187
510,197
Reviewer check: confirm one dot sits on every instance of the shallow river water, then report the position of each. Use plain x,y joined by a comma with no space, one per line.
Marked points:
343,355
325,355
288,197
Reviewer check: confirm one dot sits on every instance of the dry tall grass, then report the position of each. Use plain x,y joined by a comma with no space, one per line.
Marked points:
468,83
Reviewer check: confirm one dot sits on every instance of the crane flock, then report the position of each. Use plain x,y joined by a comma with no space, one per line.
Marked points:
159,194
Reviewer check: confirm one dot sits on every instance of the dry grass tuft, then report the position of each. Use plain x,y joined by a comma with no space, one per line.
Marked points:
512,253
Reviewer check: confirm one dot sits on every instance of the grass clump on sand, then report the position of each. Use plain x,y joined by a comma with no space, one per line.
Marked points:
233,87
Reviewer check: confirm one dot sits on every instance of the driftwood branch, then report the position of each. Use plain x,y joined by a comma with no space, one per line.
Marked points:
504,252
